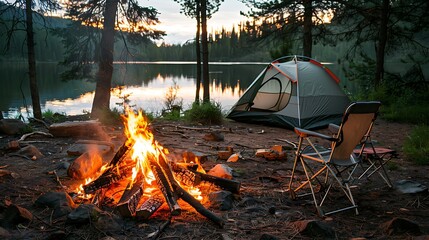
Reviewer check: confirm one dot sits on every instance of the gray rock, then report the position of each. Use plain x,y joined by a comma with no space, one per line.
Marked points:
84,214
109,223
222,200
214,136
400,226
408,186
314,229
12,126
61,202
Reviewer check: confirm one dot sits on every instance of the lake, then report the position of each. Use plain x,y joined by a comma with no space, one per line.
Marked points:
146,82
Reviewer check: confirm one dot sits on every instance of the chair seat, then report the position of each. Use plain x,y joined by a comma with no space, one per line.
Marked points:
375,152
325,154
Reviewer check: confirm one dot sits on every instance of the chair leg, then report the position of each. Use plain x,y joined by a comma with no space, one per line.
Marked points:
382,174
311,186
292,192
373,164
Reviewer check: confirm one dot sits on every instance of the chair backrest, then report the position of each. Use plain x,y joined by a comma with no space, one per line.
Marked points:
357,121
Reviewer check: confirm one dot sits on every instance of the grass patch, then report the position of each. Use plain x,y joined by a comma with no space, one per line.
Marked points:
54,116
414,114
416,146
206,113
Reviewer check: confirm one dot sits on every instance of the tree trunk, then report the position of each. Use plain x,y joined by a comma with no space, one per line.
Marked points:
206,80
101,103
382,40
198,52
35,99
308,24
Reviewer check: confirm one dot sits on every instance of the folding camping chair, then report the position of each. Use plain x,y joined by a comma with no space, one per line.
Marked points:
337,163
375,158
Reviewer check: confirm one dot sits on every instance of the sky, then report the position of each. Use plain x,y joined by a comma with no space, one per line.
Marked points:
180,28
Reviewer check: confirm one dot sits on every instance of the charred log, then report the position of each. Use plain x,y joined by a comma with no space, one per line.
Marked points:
149,207
121,153
194,178
109,176
185,196
166,188
130,198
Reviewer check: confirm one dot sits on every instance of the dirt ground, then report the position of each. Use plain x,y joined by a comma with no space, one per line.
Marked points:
262,209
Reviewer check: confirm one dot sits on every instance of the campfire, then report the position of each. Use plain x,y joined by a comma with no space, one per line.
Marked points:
140,178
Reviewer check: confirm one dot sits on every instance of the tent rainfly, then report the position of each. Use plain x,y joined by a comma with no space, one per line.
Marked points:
292,91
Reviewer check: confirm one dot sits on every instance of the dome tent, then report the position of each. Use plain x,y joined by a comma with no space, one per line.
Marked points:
292,91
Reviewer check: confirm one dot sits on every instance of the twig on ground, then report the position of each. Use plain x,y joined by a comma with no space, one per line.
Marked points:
287,141
58,179
157,233
23,137
41,121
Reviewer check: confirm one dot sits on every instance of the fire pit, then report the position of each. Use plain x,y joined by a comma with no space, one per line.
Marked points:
140,178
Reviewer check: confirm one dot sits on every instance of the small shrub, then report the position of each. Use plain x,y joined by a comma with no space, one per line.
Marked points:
54,117
111,117
414,114
416,147
206,113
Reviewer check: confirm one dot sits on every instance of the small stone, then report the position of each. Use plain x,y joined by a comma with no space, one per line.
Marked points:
31,152
314,229
214,136
84,214
221,170
234,157
221,199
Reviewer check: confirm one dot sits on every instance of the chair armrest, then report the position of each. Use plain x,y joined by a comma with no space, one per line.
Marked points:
334,128
307,133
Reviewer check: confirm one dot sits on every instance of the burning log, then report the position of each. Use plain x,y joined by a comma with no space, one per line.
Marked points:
130,198
185,196
108,177
111,175
121,153
149,207
166,187
194,178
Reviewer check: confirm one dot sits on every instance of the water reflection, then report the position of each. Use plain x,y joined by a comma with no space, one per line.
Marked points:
147,84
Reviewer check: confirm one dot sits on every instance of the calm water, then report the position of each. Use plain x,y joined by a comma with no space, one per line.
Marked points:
146,82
